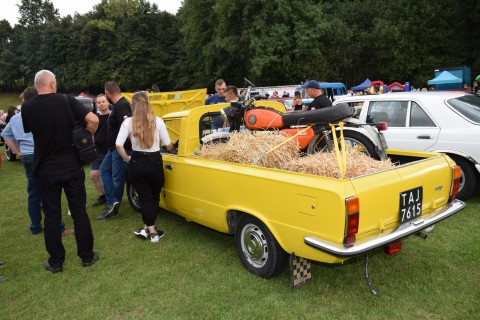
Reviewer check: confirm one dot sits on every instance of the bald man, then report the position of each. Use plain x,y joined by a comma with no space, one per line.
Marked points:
57,167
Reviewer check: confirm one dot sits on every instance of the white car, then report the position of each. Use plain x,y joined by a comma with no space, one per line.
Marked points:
438,121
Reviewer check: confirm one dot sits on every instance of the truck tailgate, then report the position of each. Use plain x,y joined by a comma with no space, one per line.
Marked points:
382,195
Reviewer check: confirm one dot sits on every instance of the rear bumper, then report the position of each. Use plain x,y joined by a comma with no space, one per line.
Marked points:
377,241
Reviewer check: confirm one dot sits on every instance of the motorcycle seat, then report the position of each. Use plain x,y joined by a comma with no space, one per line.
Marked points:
319,116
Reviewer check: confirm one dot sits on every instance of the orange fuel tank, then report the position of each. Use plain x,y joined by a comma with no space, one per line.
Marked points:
263,119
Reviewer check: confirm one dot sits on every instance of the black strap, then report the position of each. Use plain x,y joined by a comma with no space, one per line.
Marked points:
70,112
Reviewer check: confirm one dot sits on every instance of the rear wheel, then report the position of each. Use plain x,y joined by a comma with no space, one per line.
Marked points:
353,139
132,196
468,179
257,248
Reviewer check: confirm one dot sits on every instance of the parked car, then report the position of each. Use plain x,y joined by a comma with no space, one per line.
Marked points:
439,121
87,102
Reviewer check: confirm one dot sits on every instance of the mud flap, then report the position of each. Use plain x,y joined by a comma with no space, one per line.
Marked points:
300,271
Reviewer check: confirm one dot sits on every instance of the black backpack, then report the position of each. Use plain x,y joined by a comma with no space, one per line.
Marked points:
82,139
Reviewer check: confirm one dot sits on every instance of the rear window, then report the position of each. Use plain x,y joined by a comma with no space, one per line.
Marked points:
468,106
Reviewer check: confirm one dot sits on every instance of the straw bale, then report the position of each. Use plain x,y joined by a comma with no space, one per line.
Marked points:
252,148
325,164
249,148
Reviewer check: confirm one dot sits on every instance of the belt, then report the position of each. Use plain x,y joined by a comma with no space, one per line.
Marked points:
145,154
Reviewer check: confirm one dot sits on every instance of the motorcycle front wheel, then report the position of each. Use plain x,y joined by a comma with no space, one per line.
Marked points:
353,139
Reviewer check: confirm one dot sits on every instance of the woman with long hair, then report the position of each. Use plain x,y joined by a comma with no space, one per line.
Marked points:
147,133
297,104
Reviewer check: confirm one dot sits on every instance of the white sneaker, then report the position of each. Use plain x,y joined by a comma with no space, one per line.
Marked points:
142,234
155,237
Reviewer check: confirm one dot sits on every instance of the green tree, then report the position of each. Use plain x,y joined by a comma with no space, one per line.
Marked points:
35,13
269,42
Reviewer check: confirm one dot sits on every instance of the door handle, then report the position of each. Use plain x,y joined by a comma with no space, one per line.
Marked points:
425,137
168,167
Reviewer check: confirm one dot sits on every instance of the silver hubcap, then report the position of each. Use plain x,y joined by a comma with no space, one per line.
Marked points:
462,180
134,196
254,245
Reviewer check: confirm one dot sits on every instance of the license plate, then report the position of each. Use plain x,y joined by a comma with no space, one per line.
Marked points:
411,204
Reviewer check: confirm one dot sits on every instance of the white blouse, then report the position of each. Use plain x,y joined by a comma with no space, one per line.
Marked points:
161,135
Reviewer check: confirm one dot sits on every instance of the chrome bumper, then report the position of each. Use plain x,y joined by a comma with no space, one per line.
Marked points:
377,241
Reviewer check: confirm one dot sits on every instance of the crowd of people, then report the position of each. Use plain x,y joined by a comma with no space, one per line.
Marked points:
128,138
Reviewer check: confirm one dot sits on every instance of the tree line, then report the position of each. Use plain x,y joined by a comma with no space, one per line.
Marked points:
269,42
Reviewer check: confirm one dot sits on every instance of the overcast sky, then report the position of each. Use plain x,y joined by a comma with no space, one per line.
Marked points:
9,8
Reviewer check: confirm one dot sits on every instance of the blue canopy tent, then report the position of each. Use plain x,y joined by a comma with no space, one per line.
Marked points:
445,78
363,86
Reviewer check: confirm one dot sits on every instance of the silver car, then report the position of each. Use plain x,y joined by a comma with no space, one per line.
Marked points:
438,121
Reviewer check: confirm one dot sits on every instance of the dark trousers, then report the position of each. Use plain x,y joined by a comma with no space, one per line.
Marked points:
34,203
52,179
146,175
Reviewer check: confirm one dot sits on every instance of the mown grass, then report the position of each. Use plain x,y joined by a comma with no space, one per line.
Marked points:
8,99
194,273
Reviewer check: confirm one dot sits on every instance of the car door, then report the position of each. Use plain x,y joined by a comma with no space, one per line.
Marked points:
410,127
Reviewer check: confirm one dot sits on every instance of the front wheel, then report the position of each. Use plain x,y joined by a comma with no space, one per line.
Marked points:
257,248
353,139
132,196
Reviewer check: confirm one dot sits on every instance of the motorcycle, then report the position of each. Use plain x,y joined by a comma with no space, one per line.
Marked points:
312,129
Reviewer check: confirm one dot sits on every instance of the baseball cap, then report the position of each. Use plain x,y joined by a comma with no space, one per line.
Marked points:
312,84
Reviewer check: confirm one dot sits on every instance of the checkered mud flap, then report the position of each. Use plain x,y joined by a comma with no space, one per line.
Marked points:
300,272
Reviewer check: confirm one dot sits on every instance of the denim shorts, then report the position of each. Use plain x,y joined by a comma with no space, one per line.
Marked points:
95,164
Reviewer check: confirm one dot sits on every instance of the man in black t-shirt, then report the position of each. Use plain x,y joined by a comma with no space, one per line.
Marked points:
319,100
113,169
57,167
101,142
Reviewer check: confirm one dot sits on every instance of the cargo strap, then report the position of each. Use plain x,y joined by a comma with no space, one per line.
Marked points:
341,159
280,144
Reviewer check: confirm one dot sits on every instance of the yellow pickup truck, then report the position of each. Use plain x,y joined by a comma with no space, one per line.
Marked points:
274,214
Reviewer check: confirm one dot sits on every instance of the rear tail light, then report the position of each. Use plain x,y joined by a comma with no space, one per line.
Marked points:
382,126
457,174
352,206
393,247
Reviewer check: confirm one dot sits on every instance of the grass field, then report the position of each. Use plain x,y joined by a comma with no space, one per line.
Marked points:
8,99
194,273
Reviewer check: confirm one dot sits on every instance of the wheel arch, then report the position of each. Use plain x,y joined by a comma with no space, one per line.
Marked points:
456,153
233,216
466,190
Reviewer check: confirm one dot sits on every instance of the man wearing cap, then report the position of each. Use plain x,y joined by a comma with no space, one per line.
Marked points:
319,100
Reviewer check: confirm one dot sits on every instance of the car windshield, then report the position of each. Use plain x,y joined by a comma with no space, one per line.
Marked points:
468,106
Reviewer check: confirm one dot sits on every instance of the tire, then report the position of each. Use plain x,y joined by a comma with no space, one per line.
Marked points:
354,139
220,140
468,180
132,196
9,154
257,248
